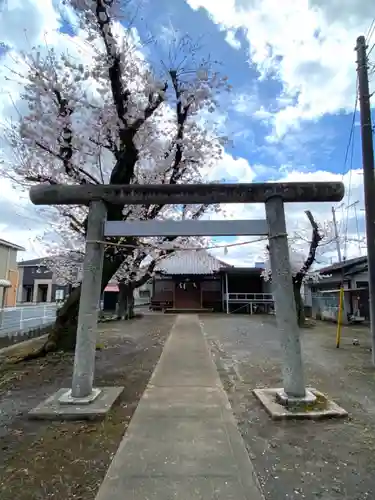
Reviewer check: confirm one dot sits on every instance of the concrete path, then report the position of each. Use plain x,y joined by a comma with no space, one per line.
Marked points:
182,442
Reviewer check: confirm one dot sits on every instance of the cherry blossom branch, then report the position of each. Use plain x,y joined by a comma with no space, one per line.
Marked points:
153,105
147,275
71,171
128,154
177,143
120,94
181,114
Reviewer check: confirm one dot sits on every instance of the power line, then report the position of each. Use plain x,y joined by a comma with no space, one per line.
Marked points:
370,31
343,227
352,126
349,195
369,35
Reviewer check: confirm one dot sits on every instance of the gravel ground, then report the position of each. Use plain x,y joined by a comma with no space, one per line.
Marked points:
326,460
68,460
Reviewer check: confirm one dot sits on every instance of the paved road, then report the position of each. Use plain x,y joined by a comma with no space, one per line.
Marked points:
326,460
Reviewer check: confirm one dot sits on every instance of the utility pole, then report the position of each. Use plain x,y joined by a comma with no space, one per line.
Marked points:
336,234
368,174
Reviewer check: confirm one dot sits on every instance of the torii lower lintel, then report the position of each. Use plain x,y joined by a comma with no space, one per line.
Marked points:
164,194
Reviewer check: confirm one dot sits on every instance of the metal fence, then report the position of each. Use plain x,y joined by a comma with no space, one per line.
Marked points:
15,319
325,306
24,318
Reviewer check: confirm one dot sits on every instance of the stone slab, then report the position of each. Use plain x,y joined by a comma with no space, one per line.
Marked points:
176,447
173,488
192,370
279,412
182,402
52,409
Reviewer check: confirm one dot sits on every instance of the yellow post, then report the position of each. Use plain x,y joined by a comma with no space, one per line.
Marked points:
339,317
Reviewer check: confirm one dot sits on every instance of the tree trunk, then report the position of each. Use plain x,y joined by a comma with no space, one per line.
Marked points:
125,306
300,306
63,334
131,313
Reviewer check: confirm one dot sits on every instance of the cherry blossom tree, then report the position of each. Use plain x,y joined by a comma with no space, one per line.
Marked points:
102,115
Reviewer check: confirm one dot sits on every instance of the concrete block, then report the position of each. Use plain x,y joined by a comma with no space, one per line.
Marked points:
53,409
316,411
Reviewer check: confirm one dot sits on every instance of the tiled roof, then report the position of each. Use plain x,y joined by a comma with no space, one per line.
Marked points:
42,261
344,264
32,262
190,262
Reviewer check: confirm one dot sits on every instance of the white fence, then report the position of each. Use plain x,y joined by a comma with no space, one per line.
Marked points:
14,319
250,297
23,318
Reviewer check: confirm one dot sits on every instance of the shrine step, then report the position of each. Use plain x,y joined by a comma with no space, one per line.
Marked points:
187,311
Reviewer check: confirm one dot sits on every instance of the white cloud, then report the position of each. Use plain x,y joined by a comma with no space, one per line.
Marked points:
41,18
231,169
297,222
231,39
308,46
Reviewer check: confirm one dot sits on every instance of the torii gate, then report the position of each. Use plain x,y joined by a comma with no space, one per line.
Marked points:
273,195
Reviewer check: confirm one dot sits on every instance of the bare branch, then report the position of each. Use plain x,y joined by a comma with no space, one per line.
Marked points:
41,178
315,240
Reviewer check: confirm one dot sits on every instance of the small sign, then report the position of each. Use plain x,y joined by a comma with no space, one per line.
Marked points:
59,295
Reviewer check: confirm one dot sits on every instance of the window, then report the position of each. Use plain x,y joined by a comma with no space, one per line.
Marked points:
361,284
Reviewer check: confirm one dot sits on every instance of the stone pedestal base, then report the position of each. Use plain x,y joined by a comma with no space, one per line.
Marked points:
292,402
314,406
68,399
61,405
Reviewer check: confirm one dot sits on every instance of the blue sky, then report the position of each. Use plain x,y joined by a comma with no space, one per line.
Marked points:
292,70
319,144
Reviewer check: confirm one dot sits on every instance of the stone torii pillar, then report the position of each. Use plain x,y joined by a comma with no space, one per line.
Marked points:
274,195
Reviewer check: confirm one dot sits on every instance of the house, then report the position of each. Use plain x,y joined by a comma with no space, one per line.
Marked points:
184,280
8,273
38,284
195,280
353,273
